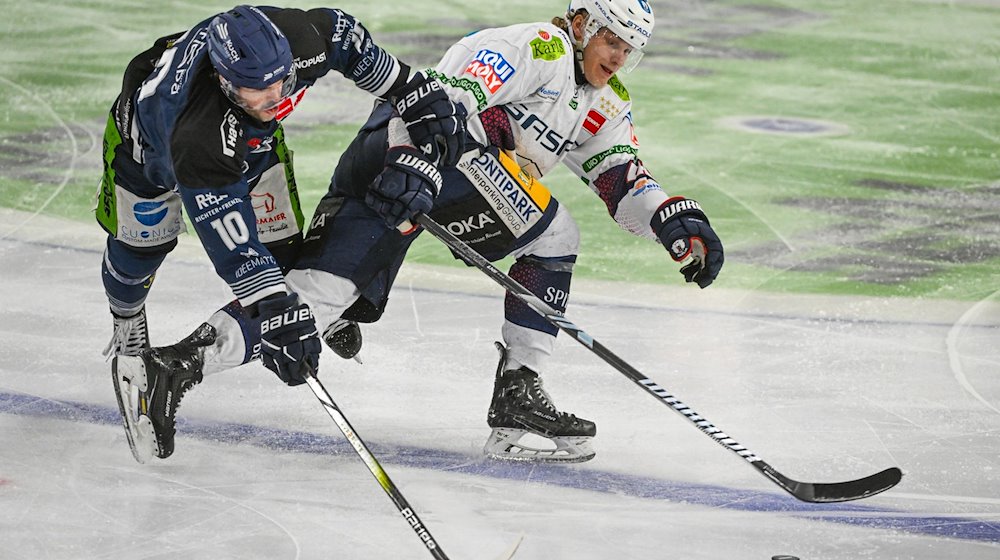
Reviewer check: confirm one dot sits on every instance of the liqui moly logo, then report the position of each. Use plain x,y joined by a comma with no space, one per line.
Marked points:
492,68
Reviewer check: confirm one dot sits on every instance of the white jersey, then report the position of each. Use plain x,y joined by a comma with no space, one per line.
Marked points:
529,71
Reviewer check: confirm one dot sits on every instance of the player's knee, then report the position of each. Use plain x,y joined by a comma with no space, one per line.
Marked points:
546,277
561,237
135,262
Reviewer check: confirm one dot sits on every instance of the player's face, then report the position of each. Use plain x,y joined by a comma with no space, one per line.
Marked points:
604,55
261,104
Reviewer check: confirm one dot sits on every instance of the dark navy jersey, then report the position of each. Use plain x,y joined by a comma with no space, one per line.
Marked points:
189,137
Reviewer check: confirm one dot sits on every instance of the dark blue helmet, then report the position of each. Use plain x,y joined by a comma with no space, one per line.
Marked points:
248,50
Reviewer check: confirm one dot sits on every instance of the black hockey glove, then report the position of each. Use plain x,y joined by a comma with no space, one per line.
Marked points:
436,124
288,338
685,232
406,187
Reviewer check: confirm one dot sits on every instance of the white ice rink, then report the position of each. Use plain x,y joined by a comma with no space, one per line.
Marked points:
822,388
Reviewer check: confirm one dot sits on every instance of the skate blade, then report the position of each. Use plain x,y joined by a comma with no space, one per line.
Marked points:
505,444
129,377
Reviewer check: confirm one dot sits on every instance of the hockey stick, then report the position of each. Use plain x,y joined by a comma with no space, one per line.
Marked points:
816,492
373,465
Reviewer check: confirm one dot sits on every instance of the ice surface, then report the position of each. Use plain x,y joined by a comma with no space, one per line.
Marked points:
823,388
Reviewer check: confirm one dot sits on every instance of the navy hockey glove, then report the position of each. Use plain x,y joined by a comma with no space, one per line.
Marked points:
685,232
288,338
435,123
406,187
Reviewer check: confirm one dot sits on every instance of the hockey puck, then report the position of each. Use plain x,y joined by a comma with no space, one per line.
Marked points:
784,557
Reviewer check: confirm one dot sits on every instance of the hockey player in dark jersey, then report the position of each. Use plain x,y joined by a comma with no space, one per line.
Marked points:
197,128
541,94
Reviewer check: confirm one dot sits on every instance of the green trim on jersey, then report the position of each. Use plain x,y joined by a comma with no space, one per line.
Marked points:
107,205
619,88
285,157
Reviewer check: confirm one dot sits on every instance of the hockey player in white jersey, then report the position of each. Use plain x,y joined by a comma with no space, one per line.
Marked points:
538,94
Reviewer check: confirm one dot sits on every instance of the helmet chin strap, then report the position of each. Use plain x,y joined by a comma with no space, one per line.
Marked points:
578,47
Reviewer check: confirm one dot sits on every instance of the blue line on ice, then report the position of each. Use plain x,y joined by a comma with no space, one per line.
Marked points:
574,477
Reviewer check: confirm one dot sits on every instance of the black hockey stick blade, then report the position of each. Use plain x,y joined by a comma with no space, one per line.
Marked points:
805,491
831,492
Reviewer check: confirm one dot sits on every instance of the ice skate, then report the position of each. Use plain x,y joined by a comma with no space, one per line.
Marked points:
149,388
522,408
130,335
344,338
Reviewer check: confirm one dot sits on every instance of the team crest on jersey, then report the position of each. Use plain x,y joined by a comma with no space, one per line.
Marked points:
260,145
492,68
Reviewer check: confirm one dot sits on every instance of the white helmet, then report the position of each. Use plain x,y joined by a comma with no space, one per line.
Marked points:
631,20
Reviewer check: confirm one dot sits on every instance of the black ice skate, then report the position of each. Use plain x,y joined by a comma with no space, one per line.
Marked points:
150,386
344,338
129,337
520,407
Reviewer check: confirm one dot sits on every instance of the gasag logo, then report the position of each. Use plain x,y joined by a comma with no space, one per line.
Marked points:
492,68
